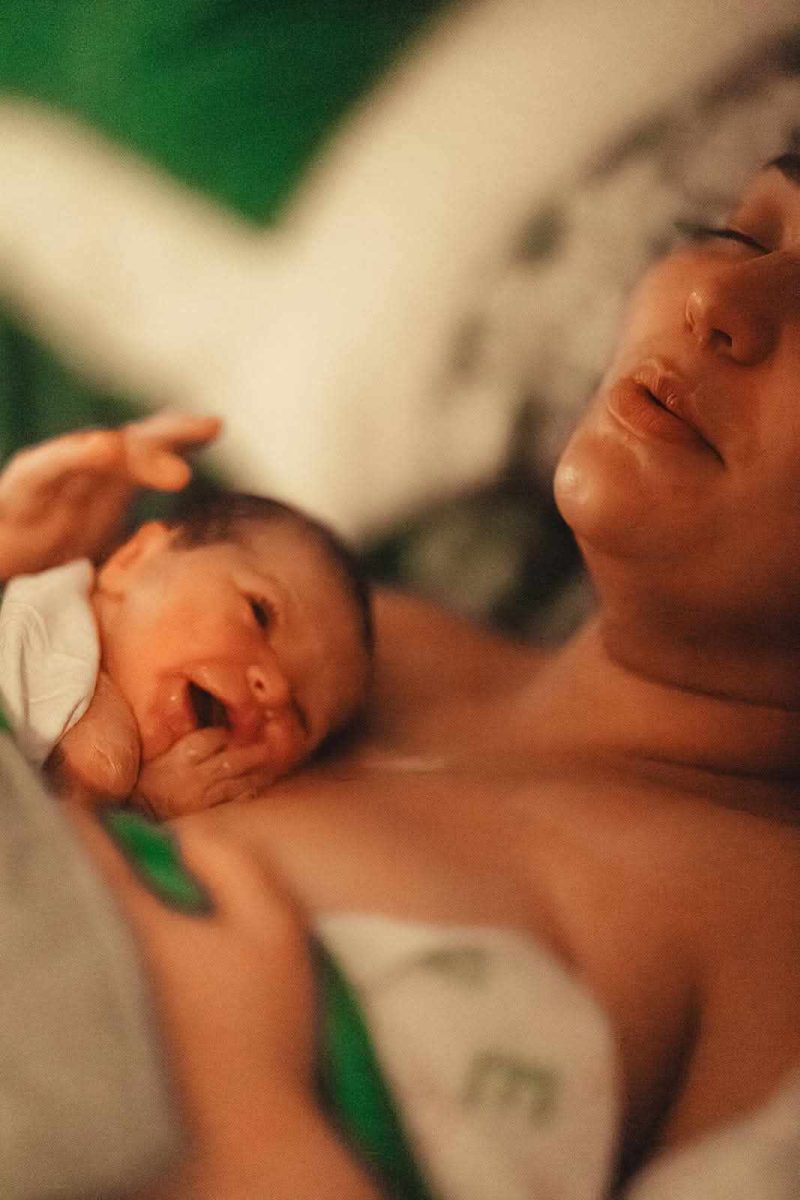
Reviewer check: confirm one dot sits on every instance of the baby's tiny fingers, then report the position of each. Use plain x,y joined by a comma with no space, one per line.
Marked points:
155,448
172,430
236,760
160,470
246,786
48,465
200,745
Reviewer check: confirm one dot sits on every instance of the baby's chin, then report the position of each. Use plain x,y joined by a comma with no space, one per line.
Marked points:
99,756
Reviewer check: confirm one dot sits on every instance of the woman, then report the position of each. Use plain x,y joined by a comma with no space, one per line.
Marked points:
630,804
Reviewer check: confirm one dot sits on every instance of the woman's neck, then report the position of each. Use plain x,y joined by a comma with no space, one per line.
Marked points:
592,702
471,698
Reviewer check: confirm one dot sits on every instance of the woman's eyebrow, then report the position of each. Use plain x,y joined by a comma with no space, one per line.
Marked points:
788,165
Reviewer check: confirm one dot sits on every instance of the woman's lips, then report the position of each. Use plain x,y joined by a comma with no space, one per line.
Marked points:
656,406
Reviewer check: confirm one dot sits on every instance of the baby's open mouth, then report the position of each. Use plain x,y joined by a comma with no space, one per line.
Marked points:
209,711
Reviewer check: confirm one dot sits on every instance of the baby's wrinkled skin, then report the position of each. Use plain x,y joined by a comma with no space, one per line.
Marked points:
100,755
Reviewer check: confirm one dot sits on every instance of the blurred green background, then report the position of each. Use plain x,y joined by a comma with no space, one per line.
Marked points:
233,97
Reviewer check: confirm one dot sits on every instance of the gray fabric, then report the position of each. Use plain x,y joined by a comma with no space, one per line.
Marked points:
85,1107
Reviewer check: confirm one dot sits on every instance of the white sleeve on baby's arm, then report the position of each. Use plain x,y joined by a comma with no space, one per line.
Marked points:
49,655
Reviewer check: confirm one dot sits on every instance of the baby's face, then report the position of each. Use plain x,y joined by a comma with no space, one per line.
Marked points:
257,636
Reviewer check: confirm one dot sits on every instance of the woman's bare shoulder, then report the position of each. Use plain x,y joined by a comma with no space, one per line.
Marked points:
429,660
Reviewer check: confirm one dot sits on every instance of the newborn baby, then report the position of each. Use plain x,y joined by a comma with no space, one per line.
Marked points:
204,658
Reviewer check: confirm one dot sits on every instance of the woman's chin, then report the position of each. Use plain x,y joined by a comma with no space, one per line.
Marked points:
637,494
610,502
595,494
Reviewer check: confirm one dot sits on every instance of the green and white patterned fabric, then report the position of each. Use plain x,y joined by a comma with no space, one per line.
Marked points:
231,97
464,1062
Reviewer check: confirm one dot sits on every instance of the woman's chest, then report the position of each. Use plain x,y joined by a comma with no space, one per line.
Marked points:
641,898
426,841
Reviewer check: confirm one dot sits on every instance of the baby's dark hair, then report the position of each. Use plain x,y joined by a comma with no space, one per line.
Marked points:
220,516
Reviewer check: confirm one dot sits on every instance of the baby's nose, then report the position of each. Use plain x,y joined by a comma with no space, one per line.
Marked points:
269,686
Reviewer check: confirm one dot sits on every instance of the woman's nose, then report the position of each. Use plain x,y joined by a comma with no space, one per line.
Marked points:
268,685
732,313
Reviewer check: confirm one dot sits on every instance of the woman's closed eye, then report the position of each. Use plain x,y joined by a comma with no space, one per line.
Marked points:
262,611
697,232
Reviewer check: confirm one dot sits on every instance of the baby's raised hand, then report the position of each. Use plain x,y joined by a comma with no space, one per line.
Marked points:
154,449
65,498
202,769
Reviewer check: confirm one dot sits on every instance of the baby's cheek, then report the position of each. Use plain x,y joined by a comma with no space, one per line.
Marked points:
286,742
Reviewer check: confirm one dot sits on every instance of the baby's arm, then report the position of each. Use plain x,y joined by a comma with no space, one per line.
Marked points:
64,498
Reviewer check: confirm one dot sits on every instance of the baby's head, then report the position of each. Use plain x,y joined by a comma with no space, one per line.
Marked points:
240,613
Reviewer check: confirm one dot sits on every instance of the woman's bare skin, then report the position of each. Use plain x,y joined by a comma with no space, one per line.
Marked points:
656,884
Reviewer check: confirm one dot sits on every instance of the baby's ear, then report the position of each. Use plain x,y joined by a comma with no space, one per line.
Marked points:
116,572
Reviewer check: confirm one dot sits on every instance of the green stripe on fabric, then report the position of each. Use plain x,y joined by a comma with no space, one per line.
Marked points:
155,855
353,1088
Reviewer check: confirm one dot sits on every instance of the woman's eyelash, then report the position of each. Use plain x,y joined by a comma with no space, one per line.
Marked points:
698,232
261,611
